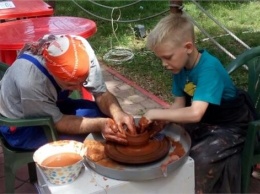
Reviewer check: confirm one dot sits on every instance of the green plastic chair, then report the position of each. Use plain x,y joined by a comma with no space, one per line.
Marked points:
15,158
251,151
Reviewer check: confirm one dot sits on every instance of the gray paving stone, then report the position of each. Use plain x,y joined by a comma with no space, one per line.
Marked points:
130,98
136,98
123,86
113,83
134,109
149,104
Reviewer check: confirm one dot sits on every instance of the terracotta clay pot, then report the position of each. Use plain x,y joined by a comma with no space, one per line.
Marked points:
138,139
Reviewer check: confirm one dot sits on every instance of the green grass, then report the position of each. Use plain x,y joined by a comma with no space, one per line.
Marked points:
240,17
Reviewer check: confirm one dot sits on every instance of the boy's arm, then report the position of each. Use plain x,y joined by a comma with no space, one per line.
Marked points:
178,113
179,102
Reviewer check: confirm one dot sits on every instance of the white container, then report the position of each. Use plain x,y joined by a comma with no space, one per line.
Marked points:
64,174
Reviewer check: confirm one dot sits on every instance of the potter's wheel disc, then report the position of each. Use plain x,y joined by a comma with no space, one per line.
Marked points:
154,150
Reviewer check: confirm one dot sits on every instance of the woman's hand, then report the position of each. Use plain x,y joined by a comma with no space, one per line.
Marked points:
109,105
111,132
125,122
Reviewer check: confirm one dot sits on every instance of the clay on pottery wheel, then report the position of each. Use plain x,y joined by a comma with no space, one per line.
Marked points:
138,154
140,149
137,139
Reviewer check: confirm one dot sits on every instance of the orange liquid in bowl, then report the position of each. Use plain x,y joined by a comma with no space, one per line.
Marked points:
61,159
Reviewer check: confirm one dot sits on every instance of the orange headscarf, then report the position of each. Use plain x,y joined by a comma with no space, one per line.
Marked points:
66,58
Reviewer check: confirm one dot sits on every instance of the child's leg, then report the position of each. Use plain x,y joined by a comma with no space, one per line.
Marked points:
216,151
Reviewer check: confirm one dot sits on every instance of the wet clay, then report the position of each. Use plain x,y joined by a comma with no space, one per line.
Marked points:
136,152
178,148
174,155
140,149
61,159
109,163
152,151
137,140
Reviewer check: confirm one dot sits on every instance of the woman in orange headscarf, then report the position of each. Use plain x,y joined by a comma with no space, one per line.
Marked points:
38,84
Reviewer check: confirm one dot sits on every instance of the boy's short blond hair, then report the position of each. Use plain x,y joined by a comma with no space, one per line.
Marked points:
174,28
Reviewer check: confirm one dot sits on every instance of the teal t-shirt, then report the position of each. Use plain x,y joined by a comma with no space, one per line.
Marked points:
208,81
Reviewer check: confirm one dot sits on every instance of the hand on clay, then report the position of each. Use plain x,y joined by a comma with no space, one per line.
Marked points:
143,124
153,127
156,127
125,122
111,132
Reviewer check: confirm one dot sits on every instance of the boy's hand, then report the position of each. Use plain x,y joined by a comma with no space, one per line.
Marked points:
153,127
143,124
156,127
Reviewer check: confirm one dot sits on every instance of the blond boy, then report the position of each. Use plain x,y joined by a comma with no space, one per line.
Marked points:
207,104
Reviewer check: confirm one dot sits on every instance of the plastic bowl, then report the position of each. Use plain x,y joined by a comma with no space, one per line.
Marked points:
61,161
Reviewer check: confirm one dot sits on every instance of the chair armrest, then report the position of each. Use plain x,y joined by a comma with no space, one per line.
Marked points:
45,122
243,59
255,123
3,66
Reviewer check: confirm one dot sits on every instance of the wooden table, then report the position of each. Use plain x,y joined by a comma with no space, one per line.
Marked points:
26,9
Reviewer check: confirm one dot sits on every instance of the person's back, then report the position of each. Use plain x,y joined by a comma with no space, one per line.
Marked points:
27,88
38,84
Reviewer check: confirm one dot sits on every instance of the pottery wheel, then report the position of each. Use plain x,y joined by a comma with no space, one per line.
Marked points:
154,150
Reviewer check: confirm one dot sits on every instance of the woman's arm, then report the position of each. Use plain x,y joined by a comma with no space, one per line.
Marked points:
109,105
70,124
